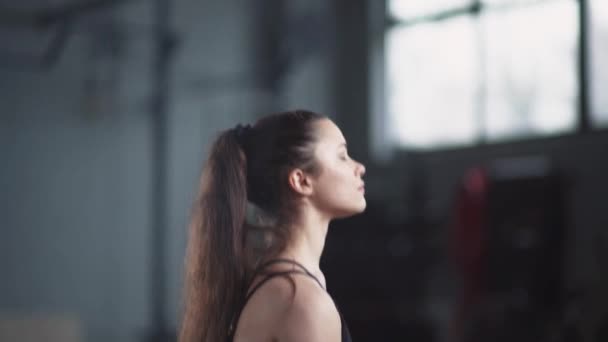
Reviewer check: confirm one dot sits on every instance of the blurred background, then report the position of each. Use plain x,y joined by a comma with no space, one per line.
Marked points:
482,123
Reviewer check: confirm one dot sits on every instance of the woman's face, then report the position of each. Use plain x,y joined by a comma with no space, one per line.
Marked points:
338,187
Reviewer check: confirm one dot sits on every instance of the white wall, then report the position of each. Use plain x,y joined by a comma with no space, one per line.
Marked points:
76,185
75,202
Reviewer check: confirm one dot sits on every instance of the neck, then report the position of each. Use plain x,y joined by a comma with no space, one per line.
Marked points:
308,240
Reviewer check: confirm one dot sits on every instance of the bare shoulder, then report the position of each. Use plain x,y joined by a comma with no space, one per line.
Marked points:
292,312
311,316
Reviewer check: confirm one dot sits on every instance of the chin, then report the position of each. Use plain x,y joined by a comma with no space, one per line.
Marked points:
362,207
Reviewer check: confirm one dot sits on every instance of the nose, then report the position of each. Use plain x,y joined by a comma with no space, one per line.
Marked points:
360,169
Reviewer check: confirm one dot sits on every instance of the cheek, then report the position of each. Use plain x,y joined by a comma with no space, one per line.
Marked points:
336,175
338,194
338,182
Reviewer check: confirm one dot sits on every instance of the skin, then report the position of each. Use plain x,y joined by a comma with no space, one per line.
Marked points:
275,312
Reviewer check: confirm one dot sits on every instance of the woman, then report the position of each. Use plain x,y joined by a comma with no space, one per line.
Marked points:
267,195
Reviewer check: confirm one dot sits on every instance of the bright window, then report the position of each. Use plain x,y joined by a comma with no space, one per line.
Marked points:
531,69
433,81
507,71
598,74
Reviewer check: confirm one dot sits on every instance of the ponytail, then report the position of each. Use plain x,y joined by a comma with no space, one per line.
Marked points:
215,265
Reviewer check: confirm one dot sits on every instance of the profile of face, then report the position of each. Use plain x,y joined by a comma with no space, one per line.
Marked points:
337,190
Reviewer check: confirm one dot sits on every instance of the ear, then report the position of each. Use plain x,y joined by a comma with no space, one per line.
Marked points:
300,182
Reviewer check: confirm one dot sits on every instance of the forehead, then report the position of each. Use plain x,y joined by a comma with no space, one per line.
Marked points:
328,133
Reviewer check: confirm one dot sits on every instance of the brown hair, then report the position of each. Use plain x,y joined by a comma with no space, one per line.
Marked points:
246,166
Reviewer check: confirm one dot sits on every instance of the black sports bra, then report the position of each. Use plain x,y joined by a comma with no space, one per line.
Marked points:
345,332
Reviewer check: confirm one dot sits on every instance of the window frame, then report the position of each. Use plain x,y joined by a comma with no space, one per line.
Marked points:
584,122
